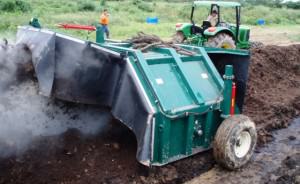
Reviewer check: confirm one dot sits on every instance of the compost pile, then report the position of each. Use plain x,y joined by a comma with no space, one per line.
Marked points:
145,42
273,94
273,99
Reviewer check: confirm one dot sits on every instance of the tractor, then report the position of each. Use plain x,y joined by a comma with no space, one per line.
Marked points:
222,35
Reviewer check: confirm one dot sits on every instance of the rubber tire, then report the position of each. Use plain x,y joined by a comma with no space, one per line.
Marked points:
255,45
178,37
221,40
226,139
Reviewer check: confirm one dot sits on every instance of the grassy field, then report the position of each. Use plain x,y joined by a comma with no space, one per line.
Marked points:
128,17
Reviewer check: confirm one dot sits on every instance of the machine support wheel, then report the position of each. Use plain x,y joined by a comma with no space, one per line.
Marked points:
221,40
234,142
178,37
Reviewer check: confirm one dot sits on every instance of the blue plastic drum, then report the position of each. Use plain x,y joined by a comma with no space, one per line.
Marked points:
152,20
261,22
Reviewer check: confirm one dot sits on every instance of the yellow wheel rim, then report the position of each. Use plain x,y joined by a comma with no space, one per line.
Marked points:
226,46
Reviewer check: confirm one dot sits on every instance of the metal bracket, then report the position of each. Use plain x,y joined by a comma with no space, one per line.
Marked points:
225,77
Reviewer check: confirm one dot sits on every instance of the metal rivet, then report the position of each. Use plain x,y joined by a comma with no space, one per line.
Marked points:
199,132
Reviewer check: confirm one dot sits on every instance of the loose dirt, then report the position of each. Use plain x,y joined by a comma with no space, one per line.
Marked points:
273,94
273,100
276,162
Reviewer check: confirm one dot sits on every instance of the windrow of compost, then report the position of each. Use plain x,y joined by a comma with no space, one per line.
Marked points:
272,101
273,94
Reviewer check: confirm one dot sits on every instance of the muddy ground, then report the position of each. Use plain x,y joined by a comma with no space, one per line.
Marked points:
277,162
273,100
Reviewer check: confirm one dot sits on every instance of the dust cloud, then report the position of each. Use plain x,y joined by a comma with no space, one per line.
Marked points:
7,69
25,115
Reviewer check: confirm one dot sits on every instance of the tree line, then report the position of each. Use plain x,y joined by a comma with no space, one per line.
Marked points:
273,3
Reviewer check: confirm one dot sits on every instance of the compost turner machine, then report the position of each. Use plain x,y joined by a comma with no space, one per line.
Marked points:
177,105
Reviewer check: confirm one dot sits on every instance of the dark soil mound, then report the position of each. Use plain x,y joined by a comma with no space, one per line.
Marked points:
273,94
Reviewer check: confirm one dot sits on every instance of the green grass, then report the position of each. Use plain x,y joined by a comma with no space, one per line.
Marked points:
128,17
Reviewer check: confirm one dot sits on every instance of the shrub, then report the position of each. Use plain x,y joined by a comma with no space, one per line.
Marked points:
86,6
145,7
136,2
23,6
103,3
14,5
293,5
8,6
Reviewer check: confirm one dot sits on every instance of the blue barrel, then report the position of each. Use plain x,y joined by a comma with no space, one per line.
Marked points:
152,20
261,22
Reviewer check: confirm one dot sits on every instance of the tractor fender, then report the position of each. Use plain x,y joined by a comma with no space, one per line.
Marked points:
185,28
212,31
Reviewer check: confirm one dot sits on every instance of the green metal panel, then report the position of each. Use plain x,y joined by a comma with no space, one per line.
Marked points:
243,38
99,34
206,94
178,138
244,33
185,29
181,137
227,51
186,91
205,128
218,30
168,85
181,85
228,77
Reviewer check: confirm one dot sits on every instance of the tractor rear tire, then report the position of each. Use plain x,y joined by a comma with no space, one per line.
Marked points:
178,37
234,142
221,40
256,45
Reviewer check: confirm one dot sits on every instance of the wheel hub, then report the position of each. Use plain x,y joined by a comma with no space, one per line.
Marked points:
225,46
242,144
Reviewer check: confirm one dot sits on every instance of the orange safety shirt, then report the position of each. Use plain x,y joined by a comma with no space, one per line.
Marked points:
104,19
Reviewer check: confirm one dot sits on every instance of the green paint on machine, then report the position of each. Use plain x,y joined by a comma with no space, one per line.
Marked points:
181,100
188,94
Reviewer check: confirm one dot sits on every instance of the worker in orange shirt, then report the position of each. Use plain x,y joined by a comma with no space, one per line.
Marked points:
104,20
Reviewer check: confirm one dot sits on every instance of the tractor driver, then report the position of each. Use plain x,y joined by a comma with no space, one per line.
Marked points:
213,18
